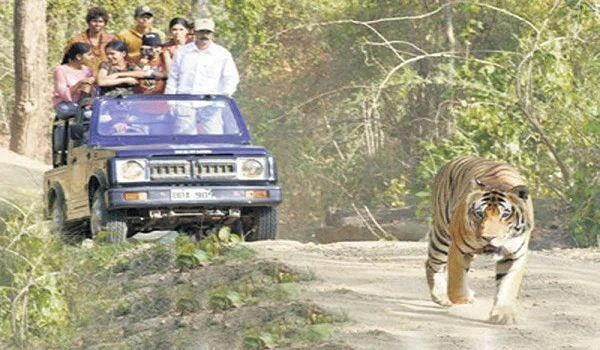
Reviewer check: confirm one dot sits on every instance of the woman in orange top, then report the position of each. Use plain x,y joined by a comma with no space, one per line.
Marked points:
95,36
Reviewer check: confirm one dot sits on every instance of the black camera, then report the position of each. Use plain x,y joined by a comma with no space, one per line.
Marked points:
148,51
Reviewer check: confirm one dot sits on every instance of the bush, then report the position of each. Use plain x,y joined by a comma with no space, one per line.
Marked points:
34,272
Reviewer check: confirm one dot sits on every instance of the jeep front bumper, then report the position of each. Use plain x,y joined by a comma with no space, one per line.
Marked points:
193,196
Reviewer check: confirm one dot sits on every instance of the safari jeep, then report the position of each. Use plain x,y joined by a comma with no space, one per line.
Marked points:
140,163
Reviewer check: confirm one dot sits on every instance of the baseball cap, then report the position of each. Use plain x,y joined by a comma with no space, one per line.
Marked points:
151,39
143,10
204,24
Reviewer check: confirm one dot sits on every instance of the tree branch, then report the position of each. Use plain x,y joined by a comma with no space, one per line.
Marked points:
525,96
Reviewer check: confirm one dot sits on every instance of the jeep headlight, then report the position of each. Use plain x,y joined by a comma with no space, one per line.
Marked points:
252,168
131,170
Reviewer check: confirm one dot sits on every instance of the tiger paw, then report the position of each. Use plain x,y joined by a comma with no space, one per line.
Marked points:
462,298
441,300
505,314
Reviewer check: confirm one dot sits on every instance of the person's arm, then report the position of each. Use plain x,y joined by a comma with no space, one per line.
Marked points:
230,76
61,88
89,80
138,73
114,79
167,60
156,68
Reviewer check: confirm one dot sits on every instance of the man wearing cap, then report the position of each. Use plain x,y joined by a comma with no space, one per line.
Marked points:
202,67
132,37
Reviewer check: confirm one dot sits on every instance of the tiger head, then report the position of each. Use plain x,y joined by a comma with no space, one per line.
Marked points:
496,214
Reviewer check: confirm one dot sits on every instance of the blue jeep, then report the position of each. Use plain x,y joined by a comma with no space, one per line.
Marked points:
140,163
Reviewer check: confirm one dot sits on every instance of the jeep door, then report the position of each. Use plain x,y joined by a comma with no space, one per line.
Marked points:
77,187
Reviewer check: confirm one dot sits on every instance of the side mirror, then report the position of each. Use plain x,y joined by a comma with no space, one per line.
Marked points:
76,132
65,110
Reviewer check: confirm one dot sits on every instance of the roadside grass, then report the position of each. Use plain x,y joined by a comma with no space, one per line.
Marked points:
33,276
178,294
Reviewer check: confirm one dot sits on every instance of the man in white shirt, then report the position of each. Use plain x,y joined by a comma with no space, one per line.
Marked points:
202,68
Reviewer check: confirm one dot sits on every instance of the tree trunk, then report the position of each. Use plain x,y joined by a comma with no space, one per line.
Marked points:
29,125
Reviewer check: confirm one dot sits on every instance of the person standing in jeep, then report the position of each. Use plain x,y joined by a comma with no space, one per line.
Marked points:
202,68
132,37
95,36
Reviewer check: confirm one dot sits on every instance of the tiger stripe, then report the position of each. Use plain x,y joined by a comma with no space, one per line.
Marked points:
478,206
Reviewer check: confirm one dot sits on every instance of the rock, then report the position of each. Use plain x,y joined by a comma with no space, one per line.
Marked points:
87,243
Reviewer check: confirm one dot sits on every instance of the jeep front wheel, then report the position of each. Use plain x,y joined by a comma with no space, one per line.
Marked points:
266,220
110,225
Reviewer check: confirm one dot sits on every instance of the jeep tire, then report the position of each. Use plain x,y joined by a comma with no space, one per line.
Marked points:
111,222
266,220
58,214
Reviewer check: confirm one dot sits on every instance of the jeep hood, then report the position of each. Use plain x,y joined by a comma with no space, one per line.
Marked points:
190,149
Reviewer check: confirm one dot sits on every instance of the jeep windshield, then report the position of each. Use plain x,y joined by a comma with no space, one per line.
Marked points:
166,115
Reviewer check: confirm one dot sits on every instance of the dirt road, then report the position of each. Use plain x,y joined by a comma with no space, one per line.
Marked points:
381,287
19,176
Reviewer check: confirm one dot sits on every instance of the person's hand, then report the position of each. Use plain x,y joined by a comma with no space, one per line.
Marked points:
158,75
120,127
130,81
172,110
89,80
84,81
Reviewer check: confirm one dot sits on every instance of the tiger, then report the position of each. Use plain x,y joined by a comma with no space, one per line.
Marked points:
478,206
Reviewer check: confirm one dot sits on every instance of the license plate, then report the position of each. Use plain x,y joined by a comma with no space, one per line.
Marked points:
191,194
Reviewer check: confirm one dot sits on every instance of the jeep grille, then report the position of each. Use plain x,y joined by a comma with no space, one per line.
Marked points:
170,169
182,169
214,169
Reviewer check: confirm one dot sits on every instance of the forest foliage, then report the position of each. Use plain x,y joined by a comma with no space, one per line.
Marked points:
362,101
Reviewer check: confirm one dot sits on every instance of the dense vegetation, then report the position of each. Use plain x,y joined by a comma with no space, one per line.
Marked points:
362,101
